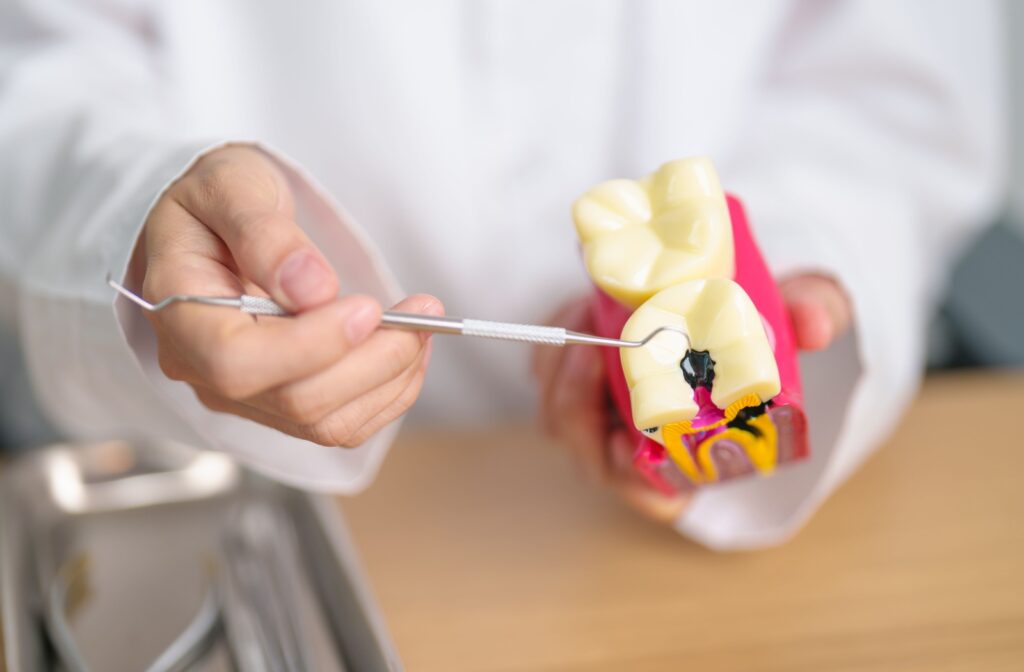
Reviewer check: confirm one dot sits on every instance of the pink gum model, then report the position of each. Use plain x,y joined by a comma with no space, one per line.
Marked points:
786,409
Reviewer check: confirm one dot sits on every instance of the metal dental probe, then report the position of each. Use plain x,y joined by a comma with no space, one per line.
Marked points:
506,331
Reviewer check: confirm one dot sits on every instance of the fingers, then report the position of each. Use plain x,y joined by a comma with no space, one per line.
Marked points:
574,316
349,381
326,374
242,197
349,426
812,326
819,309
238,357
575,409
634,489
647,501
352,399
375,417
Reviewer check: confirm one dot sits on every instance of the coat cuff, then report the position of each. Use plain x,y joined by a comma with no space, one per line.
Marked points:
854,391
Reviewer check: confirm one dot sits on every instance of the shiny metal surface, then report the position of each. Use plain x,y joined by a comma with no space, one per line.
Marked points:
459,326
118,556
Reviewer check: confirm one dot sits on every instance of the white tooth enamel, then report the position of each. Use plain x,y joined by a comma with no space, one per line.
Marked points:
720,318
611,206
652,371
641,236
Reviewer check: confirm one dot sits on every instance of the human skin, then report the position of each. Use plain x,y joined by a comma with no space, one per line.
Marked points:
576,412
327,374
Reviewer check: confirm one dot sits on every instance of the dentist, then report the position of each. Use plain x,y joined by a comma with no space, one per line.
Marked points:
209,147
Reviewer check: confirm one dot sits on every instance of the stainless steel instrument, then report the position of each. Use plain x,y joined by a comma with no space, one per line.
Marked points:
506,331
128,556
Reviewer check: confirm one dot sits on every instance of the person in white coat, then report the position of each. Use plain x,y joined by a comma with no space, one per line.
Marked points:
206,147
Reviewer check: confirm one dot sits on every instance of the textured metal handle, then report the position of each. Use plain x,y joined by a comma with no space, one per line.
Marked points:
528,333
506,331
259,305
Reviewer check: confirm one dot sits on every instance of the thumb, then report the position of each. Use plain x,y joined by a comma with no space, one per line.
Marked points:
240,195
818,307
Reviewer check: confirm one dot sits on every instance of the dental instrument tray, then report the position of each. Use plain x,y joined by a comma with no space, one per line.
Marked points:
154,556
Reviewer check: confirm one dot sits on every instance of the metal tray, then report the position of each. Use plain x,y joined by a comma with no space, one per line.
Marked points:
129,556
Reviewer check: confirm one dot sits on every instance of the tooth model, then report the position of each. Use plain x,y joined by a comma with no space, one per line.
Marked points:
640,237
672,249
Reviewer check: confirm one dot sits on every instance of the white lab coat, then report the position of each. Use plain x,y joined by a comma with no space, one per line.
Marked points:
865,138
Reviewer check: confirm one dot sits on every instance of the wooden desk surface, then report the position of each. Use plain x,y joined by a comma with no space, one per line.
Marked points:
488,554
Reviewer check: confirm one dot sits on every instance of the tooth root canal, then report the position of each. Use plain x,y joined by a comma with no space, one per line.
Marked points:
663,247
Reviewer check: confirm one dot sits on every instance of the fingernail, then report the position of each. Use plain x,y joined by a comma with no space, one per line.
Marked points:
433,308
306,280
666,509
361,323
421,305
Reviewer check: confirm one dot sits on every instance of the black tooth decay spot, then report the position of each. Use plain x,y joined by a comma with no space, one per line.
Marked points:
743,418
750,412
698,368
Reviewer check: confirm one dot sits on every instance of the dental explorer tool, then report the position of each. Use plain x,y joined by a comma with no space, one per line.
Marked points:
506,331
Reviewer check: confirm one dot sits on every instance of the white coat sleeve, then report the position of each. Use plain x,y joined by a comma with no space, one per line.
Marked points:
88,141
874,147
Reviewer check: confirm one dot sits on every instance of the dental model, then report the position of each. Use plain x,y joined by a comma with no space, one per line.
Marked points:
640,237
728,353
673,250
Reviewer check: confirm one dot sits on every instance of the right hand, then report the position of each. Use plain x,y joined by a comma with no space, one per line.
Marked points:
576,409
327,374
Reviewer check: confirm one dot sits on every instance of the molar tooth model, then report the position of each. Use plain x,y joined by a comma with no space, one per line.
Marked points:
675,250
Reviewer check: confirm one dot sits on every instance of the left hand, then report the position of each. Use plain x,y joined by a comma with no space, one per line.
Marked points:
576,408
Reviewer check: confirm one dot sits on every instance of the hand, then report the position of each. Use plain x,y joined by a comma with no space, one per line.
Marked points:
818,309
576,409
327,375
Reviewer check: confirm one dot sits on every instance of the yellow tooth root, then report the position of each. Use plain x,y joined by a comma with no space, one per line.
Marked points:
762,451
662,245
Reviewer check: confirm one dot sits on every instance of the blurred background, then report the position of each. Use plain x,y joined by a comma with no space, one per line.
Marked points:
981,322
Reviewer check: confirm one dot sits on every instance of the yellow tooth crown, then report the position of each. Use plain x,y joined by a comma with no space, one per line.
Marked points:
640,237
721,319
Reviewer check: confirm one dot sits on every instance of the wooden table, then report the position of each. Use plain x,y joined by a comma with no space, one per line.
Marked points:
488,554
